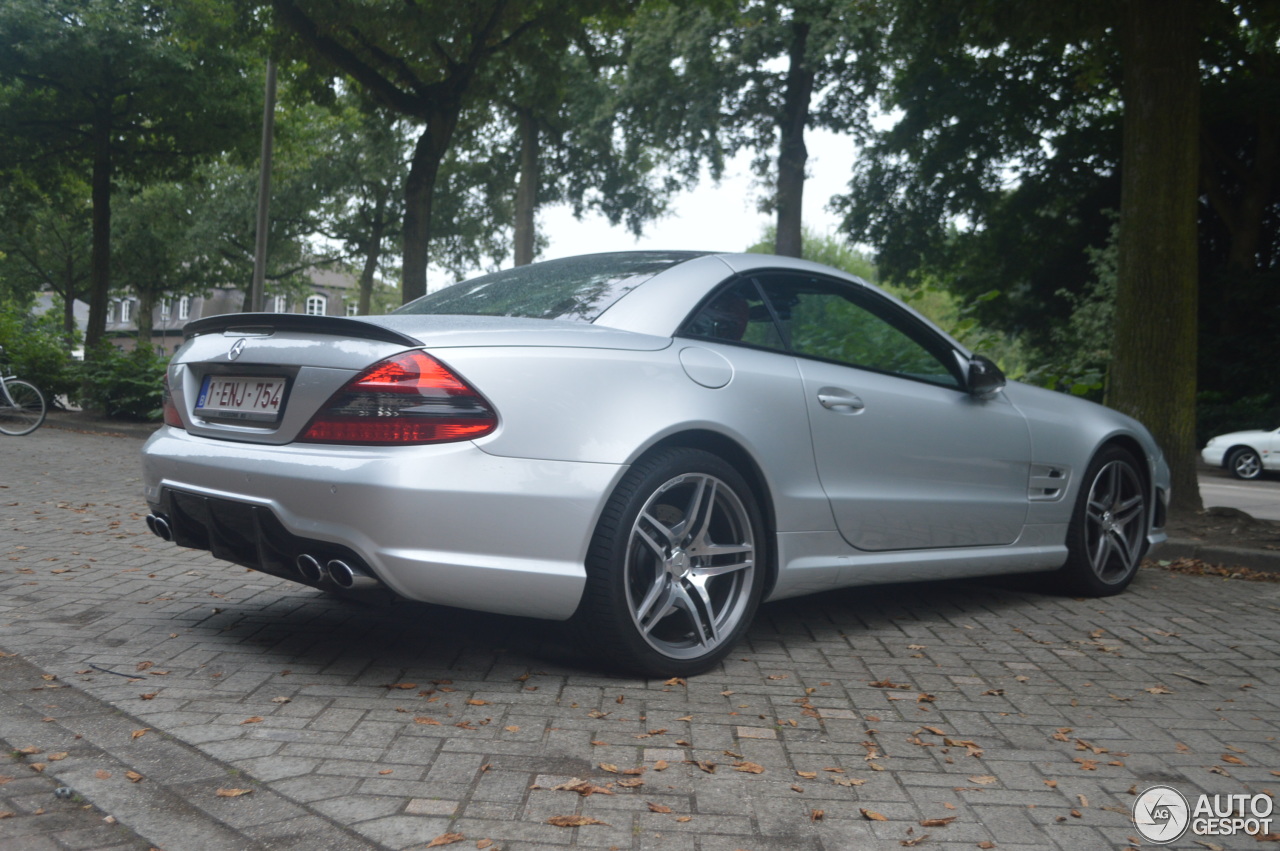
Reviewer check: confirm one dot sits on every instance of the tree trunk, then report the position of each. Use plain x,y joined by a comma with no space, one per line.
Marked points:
419,186
144,322
1153,368
527,189
372,254
69,300
100,253
792,153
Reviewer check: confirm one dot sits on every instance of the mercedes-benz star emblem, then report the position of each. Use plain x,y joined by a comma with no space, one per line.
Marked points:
236,348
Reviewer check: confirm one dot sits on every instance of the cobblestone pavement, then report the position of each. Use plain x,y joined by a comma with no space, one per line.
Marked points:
970,713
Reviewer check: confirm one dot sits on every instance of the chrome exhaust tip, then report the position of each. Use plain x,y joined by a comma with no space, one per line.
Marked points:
346,576
309,568
159,526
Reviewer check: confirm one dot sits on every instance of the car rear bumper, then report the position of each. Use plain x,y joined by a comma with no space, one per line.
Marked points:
446,524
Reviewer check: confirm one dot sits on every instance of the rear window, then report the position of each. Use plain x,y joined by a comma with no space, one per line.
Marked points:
573,288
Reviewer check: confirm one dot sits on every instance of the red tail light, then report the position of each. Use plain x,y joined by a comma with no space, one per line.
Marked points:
411,398
171,415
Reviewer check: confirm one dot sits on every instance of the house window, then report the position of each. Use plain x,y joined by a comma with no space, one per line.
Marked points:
353,308
126,309
316,305
164,308
184,307
280,305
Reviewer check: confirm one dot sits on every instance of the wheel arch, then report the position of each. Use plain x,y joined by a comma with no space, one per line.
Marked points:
1134,447
1233,449
740,459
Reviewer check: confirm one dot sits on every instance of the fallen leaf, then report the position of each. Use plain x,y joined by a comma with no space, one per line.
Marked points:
807,775
631,783
134,777
609,767
281,699
847,781
149,695
138,734
445,839
658,808
676,681
886,683
937,822
102,774
512,728
709,767
386,771
37,766
748,767
475,701
256,719
30,750
484,843
984,779
232,793
872,815
795,788
142,666
660,765
1226,757
684,818
817,815
986,845
401,685
57,757
430,722
574,821
911,843
1158,690
585,788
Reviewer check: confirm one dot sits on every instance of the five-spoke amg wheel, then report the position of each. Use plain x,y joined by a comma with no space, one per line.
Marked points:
1244,463
677,564
1108,532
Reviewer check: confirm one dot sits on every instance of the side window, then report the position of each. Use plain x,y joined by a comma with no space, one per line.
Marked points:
737,315
828,320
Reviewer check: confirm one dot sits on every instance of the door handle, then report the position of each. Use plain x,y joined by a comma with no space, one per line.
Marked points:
840,401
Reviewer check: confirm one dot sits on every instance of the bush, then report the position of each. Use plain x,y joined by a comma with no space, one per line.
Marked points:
36,351
128,385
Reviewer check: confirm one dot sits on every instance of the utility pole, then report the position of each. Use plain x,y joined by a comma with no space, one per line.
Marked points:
264,192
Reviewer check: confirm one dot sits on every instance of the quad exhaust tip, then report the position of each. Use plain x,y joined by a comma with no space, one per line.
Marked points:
346,576
159,526
309,568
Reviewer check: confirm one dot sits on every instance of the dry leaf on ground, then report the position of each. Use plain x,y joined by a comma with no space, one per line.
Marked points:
574,821
445,839
232,793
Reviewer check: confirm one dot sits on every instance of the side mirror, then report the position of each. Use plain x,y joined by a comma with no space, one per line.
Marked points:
985,377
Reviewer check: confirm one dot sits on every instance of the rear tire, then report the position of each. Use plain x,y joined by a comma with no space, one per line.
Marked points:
28,415
1244,464
676,567
1107,536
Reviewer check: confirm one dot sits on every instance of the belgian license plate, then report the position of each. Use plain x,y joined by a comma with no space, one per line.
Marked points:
241,397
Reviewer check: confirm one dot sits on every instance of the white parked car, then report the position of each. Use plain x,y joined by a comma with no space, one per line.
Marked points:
1245,453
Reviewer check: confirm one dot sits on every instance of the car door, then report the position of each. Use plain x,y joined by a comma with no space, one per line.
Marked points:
907,456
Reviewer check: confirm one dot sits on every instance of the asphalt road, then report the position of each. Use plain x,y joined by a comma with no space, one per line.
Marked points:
1261,497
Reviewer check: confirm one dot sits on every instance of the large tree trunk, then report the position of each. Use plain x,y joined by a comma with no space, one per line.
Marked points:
527,188
419,187
792,153
1153,369
100,253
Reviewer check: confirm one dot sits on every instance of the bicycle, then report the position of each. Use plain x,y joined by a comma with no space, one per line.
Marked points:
22,407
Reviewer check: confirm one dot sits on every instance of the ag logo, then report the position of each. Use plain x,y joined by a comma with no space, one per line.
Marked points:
1161,814
236,348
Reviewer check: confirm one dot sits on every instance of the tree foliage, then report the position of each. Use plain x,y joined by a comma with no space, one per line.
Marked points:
116,90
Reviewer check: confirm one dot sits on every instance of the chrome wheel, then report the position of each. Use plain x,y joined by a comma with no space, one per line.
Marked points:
690,564
1245,464
1107,536
676,567
1115,522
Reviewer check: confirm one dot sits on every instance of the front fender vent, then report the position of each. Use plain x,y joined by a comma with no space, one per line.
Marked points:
1048,482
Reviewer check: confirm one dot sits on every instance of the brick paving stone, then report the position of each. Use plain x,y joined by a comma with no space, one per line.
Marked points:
1042,686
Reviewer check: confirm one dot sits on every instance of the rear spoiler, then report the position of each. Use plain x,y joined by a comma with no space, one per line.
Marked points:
264,324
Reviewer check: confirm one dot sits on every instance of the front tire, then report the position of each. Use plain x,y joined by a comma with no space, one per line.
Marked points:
1245,464
1107,536
26,414
676,567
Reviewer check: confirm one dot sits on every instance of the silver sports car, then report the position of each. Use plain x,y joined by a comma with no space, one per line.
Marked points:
647,443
